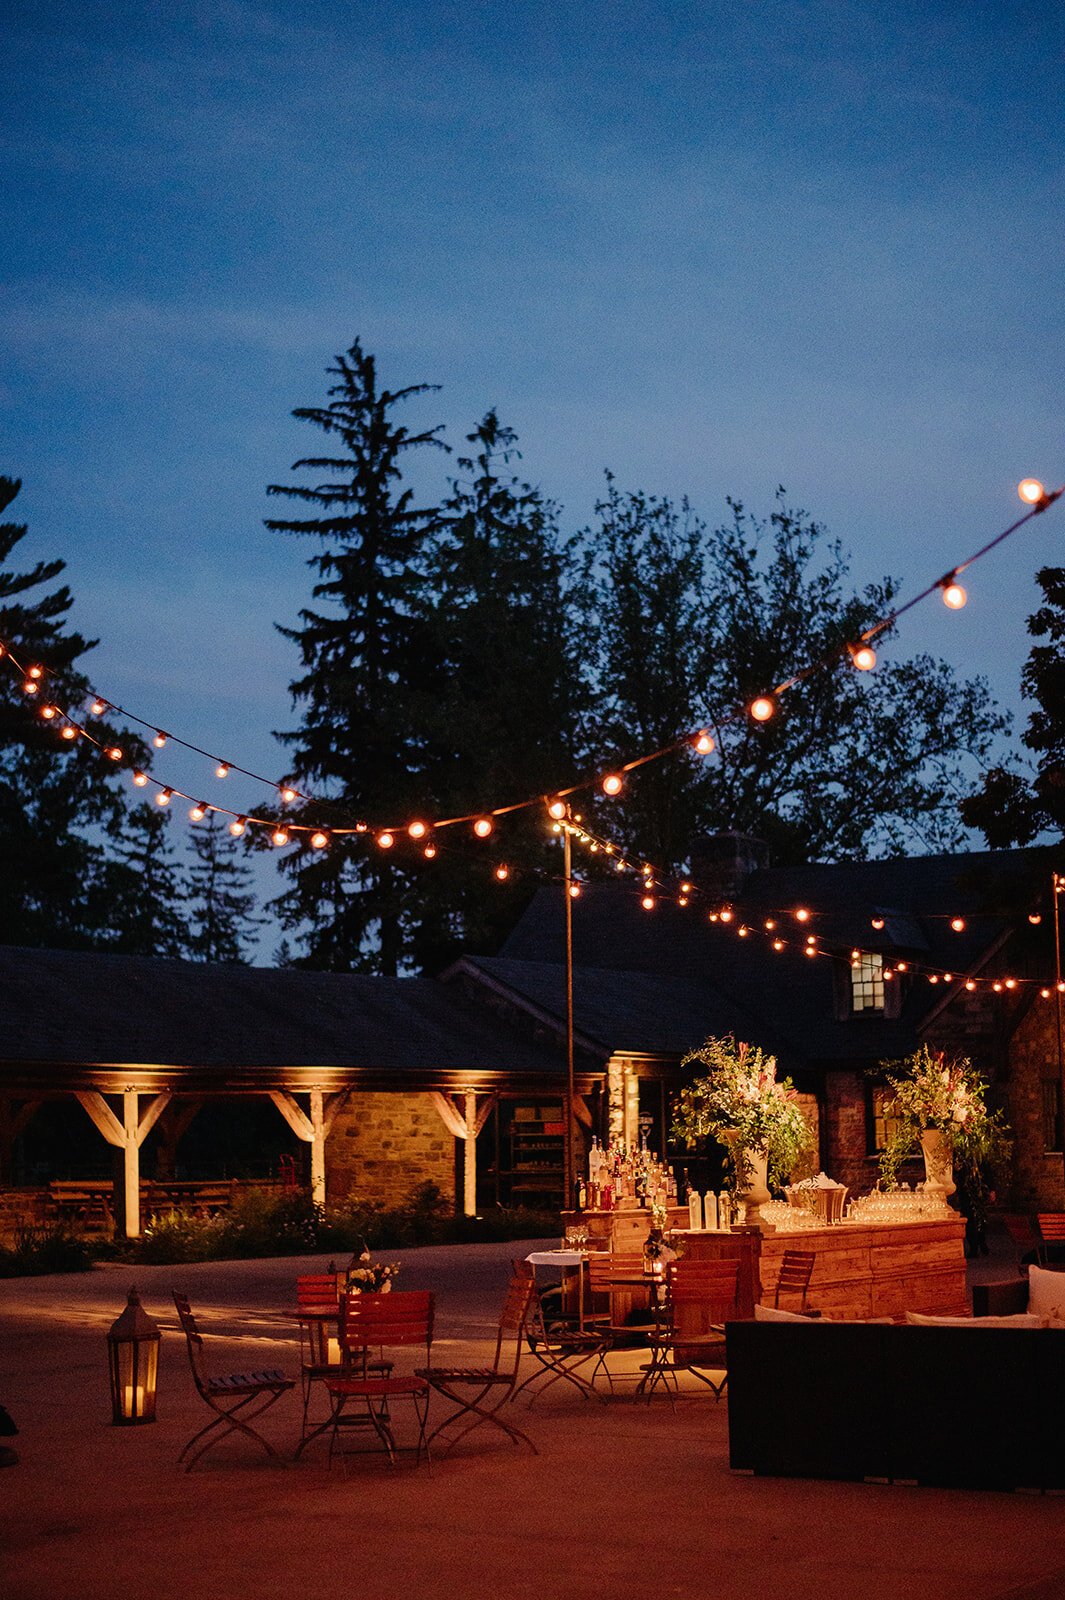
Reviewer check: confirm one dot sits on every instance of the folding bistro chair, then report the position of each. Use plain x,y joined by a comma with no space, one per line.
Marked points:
318,1315
498,1380
609,1276
249,1392
1051,1237
796,1270
690,1336
560,1350
369,1324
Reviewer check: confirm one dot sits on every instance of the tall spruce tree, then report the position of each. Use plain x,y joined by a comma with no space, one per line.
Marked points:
367,662
221,905
693,624
147,890
1014,804
504,711
59,800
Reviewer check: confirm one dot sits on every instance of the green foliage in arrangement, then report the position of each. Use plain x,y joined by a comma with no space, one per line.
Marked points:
932,1092
741,1097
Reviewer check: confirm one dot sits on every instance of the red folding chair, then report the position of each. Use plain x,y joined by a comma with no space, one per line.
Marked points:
369,1325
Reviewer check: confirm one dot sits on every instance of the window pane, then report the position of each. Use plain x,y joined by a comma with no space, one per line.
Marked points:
867,982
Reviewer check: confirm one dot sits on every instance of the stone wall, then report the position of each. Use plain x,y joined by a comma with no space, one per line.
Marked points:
844,1134
1037,1181
383,1145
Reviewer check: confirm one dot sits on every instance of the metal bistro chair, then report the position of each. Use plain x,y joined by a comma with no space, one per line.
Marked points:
249,1392
690,1335
796,1270
373,1323
607,1275
318,1315
560,1349
480,1382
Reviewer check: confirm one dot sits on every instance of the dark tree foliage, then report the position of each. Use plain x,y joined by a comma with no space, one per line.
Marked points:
367,669
1014,805
502,713
220,910
59,801
693,624
147,892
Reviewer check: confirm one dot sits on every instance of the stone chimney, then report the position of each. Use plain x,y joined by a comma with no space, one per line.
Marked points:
721,863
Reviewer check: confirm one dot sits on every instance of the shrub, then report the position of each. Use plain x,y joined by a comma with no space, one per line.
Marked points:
47,1249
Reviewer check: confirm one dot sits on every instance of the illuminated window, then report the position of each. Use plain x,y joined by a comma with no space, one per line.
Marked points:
883,1120
867,982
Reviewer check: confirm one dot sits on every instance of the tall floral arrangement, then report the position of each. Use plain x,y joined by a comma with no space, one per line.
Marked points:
930,1091
741,1096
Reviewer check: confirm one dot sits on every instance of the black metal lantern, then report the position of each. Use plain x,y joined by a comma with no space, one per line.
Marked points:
133,1358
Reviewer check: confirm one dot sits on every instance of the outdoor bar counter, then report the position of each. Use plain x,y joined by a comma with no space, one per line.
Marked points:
861,1269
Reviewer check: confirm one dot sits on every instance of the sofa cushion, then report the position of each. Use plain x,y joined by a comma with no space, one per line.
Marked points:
1046,1293
774,1314
1022,1319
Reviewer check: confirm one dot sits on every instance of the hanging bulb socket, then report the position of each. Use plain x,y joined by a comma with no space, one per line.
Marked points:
163,797
319,839
237,826
222,769
613,783
954,595
482,827
704,743
763,708
159,740
863,657
279,837
198,812
140,779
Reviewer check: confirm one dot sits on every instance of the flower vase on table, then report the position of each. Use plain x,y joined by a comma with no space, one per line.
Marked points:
938,1164
752,1186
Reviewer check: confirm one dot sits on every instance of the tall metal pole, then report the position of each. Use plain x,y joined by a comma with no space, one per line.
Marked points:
571,1175
1059,885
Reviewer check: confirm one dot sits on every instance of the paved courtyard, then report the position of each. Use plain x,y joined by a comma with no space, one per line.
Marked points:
624,1501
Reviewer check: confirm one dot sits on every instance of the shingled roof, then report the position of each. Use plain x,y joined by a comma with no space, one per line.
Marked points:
70,1007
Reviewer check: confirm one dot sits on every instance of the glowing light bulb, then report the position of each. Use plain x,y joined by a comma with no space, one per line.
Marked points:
198,812
954,596
557,809
1011,983
429,852
726,915
811,938
763,708
970,985
685,888
683,901
704,743
958,924
482,827
418,830
159,740
1044,994
319,840
997,987
361,827
743,932
1031,491
163,797
778,944
287,794
48,712
237,826
902,966
35,672
502,873
140,779
69,732
932,978
1035,918
612,783
1060,988
888,974
811,950
802,915
948,977
222,769
769,924
863,658
574,890
114,752
279,837
648,902
878,923
29,687
98,707
385,841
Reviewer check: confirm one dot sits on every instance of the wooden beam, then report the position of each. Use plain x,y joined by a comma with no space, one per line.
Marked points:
102,1115
581,1111
449,1114
293,1114
311,1129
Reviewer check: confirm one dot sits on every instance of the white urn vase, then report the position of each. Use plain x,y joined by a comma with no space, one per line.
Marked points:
752,1188
938,1164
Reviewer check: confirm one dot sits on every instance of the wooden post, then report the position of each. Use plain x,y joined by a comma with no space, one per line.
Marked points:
128,1136
465,1124
313,1129
317,1150
469,1195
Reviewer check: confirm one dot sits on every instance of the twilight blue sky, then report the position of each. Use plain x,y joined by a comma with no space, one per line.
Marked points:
713,247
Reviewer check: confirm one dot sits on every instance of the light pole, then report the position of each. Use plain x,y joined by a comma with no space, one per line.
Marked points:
1059,885
567,873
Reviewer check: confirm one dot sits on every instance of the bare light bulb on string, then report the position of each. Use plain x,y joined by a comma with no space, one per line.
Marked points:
726,915
958,924
1035,918
319,840
35,672
648,902
114,752
385,841
159,740
222,769
98,707
970,984
877,922
902,966
704,743
163,797
1044,994
482,827
613,784
429,852
863,657
778,944
954,595
811,950
29,687
948,977
287,794
198,812
279,837
574,890
70,732
802,915
769,924
997,987
557,809
763,708
1011,983
48,712
1031,491
140,779
502,872
237,826
743,932
418,830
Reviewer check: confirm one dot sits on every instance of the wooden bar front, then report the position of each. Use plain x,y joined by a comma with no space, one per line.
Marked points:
861,1270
